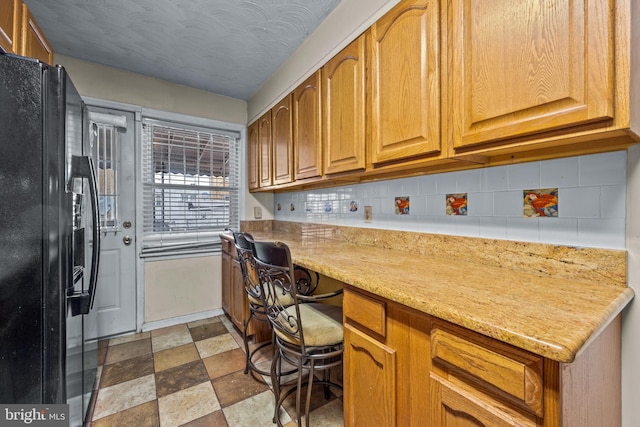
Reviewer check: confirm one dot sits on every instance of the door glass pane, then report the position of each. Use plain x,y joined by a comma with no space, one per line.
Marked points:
105,158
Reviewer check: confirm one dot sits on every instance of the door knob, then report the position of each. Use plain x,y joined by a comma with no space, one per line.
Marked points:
127,240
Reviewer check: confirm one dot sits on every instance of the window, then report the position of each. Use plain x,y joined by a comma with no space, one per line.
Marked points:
190,185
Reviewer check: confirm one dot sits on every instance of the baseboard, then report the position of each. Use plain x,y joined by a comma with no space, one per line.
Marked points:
149,326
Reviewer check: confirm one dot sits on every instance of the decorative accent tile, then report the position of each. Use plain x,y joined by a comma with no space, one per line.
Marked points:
456,204
353,206
540,202
402,205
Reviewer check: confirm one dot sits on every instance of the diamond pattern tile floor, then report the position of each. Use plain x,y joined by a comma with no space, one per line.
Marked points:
190,375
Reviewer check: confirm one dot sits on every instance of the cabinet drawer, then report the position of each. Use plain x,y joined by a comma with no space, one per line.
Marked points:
366,311
513,371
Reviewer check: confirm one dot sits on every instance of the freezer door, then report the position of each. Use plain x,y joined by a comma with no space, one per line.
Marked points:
33,233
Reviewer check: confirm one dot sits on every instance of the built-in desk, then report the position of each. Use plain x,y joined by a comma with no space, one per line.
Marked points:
453,326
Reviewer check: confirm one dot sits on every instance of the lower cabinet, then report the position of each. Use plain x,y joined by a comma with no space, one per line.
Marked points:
405,368
234,298
372,367
386,363
226,279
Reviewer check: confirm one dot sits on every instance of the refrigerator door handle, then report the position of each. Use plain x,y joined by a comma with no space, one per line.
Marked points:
82,167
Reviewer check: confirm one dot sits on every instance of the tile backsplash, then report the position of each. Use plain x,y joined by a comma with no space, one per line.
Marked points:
591,196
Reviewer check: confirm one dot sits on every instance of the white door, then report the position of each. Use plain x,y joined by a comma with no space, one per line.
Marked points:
112,147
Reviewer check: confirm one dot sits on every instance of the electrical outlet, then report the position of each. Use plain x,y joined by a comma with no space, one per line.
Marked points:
368,213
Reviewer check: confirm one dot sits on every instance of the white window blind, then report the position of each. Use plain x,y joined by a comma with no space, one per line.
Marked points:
190,185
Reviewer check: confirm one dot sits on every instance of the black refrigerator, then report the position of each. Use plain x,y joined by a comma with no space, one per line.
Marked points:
49,241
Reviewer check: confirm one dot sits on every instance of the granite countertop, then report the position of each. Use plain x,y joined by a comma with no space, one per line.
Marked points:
555,317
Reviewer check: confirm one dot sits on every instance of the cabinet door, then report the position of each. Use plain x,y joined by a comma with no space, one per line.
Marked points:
456,407
519,67
226,282
34,43
264,137
405,82
282,141
370,381
10,25
238,300
307,128
253,143
343,132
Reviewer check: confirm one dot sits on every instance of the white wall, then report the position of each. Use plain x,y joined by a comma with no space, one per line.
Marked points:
631,316
180,287
113,84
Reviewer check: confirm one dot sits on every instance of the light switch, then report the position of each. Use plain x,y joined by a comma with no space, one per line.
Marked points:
257,212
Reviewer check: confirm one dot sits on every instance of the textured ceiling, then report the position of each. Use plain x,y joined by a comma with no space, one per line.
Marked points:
229,47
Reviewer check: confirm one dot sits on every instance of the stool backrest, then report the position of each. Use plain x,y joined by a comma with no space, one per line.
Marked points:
276,273
247,265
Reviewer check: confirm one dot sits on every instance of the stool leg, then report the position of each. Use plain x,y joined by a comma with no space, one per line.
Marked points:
245,339
309,388
276,368
299,392
326,376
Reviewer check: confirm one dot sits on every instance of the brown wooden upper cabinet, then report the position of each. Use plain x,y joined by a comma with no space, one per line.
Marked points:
405,82
282,135
34,43
343,118
253,142
519,68
10,24
307,128
265,175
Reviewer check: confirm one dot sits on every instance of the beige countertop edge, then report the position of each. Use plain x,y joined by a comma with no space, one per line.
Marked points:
555,319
